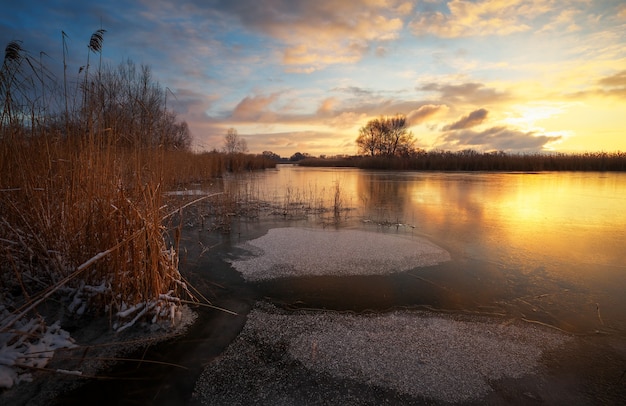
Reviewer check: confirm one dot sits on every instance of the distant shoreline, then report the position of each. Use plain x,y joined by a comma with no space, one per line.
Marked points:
475,161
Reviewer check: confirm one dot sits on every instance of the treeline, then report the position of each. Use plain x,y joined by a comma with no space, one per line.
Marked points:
475,161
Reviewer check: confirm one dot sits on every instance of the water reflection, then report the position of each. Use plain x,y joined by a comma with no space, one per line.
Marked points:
567,217
553,242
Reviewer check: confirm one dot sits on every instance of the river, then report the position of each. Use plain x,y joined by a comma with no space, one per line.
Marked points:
545,248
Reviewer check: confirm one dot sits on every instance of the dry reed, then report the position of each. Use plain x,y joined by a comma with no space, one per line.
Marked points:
83,187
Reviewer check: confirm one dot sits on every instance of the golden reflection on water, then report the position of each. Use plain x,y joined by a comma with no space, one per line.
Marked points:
549,246
572,217
569,217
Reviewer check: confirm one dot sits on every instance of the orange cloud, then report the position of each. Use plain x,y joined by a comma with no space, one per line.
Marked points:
468,18
346,120
327,106
425,113
616,80
614,85
255,108
304,58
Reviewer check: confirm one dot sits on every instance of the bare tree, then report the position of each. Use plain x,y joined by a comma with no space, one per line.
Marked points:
386,136
233,143
369,138
132,103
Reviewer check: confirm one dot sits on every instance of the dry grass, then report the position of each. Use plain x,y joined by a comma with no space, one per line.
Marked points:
83,208
63,204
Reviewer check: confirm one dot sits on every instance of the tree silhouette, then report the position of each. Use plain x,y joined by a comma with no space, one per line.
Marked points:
386,136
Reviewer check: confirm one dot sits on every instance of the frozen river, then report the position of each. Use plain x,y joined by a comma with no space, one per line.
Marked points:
545,246
477,288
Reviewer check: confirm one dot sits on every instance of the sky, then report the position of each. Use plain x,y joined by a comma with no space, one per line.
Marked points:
520,76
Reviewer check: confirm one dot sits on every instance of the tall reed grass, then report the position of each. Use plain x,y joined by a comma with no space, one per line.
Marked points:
83,208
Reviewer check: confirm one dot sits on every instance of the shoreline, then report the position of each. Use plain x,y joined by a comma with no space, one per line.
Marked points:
97,349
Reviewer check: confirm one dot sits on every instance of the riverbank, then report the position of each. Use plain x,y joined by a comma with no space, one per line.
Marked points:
96,348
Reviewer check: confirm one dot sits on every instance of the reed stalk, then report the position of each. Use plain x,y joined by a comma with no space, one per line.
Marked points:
83,182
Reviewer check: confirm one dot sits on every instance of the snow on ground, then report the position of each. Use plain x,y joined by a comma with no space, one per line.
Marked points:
327,357
95,347
28,344
292,252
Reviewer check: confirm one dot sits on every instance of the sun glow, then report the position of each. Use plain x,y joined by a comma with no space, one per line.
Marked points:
526,117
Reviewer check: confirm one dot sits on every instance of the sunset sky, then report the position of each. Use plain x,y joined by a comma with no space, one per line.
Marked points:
304,75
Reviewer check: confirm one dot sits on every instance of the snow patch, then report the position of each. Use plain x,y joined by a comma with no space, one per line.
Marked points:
293,252
29,344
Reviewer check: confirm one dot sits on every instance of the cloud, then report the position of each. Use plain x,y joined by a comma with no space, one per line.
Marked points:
304,58
304,35
479,18
614,85
564,21
497,139
189,102
355,91
473,119
381,51
255,108
327,106
424,113
334,111
316,34
616,80
471,93
374,103
346,120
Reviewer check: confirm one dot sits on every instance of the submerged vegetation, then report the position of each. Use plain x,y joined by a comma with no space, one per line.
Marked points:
84,170
324,204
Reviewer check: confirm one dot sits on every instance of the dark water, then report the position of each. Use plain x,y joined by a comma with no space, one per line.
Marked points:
546,247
